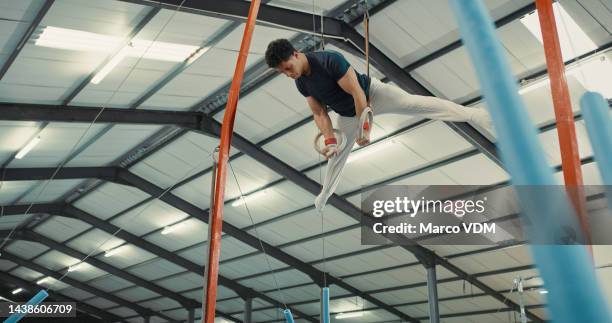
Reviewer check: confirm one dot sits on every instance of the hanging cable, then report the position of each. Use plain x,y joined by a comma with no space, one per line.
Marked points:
263,249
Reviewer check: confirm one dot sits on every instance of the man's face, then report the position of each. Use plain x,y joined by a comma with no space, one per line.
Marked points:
291,67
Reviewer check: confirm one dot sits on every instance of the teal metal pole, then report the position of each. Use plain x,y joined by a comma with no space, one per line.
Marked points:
574,295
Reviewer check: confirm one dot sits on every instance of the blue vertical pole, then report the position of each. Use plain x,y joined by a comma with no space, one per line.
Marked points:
574,295
37,299
598,120
288,316
325,305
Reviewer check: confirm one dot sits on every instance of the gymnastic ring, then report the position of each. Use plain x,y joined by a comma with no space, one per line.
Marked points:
366,115
340,137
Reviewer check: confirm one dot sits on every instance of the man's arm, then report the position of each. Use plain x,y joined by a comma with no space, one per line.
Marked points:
321,117
350,85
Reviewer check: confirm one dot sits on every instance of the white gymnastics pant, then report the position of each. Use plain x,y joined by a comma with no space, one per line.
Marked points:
388,98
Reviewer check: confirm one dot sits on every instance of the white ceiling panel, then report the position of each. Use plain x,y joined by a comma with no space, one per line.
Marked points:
283,89
14,189
5,265
61,228
232,247
216,62
148,217
156,269
8,222
100,302
26,249
295,147
323,6
182,282
424,26
26,274
300,226
55,260
85,272
15,135
160,304
181,27
403,295
299,294
76,293
374,260
341,243
126,256
30,93
283,277
53,284
136,294
97,240
44,67
186,156
263,108
275,200
475,170
126,312
48,191
261,37
56,143
19,10
114,143
110,283
593,17
110,199
187,233
250,265
550,141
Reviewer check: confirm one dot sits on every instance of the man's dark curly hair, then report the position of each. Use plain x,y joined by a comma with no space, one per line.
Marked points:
278,51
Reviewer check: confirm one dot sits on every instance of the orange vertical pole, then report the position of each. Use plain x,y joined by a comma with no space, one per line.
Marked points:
570,158
216,217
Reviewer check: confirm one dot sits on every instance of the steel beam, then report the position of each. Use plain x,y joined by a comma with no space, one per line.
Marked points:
108,317
33,174
432,293
73,212
33,236
408,287
190,120
315,274
248,310
80,285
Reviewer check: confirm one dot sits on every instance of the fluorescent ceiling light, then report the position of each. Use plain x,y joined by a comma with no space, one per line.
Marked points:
170,228
543,291
108,67
348,315
25,150
41,281
111,252
75,267
70,39
574,41
370,150
248,198
17,291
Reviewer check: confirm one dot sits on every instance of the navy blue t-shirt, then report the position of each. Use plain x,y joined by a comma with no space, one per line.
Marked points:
326,68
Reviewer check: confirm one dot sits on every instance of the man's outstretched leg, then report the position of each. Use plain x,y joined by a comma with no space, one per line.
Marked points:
388,98
335,165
